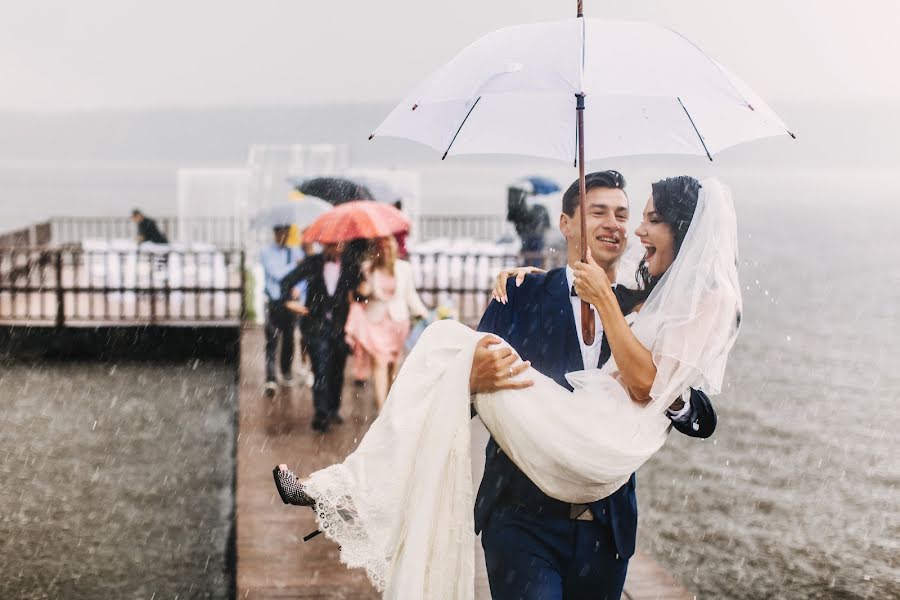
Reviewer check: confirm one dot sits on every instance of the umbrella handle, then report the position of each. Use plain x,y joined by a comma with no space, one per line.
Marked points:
587,324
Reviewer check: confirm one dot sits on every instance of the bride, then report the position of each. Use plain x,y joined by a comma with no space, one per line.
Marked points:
401,505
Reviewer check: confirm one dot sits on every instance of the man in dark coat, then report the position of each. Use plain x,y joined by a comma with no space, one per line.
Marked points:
331,282
147,229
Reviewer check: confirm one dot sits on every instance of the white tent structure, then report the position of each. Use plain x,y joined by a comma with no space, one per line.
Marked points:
271,165
212,206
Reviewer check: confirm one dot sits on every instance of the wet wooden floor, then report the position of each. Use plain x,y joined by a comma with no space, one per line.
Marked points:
272,559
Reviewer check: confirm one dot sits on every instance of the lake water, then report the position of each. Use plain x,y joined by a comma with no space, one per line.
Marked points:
794,497
116,480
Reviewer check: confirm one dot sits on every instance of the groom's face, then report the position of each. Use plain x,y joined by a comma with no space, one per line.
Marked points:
606,211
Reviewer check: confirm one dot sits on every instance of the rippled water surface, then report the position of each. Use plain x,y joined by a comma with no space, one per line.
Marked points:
796,495
116,480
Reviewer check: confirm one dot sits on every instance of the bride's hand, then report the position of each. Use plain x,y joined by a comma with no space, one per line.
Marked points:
590,281
499,291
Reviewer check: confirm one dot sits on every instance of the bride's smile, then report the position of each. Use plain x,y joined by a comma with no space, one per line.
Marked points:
657,237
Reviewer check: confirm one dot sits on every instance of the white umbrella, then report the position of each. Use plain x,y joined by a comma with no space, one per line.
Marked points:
299,212
646,90
525,90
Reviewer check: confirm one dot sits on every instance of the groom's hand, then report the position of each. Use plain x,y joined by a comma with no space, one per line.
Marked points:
493,369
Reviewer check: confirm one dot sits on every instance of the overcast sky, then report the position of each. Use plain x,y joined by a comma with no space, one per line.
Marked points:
87,54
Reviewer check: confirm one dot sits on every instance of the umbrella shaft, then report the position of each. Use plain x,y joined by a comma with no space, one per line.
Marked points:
579,112
587,314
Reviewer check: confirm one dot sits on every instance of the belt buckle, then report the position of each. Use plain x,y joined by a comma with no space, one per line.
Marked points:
580,512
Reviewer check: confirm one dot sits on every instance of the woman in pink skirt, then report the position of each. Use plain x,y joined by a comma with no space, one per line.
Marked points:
377,328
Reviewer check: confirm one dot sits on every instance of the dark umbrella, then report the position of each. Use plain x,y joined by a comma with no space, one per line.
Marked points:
335,190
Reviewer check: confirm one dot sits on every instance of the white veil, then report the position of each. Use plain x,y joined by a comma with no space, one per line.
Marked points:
691,319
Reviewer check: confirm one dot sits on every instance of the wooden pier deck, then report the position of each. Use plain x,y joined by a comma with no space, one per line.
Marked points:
272,560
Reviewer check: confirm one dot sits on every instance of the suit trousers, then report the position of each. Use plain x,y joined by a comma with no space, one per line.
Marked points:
280,322
537,557
328,355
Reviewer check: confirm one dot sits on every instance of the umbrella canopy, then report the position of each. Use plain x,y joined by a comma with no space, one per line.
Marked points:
356,220
645,90
335,190
300,212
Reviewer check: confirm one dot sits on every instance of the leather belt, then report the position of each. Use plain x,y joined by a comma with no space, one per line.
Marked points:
575,512
580,512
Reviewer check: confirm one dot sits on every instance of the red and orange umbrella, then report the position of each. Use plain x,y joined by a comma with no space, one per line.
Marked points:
362,219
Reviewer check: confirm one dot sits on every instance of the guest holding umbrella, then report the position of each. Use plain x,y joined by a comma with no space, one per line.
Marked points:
333,278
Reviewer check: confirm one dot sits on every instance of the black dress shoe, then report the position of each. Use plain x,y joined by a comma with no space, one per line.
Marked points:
320,424
290,489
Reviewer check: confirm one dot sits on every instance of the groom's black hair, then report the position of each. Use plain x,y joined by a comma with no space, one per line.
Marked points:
598,179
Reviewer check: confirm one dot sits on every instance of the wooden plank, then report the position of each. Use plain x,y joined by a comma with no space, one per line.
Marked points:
272,559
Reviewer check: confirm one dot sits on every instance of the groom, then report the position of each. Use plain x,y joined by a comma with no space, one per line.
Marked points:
537,547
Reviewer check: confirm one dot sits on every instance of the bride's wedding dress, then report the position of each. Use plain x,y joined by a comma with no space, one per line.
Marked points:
401,505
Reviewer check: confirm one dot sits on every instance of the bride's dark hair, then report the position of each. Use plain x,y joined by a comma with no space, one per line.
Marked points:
674,200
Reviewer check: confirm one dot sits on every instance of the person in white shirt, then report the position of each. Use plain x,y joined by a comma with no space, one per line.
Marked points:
278,259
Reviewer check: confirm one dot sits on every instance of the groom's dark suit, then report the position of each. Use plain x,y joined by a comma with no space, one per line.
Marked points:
510,511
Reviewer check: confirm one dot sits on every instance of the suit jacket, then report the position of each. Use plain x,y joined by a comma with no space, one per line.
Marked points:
538,323
327,313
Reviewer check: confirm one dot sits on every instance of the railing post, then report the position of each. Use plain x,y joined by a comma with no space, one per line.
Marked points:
243,315
60,297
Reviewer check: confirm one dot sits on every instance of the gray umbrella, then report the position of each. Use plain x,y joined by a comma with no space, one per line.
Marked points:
300,212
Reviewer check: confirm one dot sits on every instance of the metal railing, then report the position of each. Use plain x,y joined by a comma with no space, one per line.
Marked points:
460,284
71,286
479,227
68,283
231,232
36,234
223,232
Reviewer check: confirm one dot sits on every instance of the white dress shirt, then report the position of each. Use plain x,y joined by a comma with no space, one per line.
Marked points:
331,272
590,355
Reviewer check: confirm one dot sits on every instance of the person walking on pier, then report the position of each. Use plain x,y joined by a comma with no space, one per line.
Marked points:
377,328
278,259
147,229
332,279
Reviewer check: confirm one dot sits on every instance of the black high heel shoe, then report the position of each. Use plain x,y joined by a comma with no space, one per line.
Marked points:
290,489
291,492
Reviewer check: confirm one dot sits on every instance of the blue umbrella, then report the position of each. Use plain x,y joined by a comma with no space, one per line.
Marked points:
295,212
539,185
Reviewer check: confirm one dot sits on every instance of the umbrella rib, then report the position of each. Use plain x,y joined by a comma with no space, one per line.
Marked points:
460,127
697,131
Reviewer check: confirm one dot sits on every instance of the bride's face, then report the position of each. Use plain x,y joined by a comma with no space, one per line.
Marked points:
658,240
